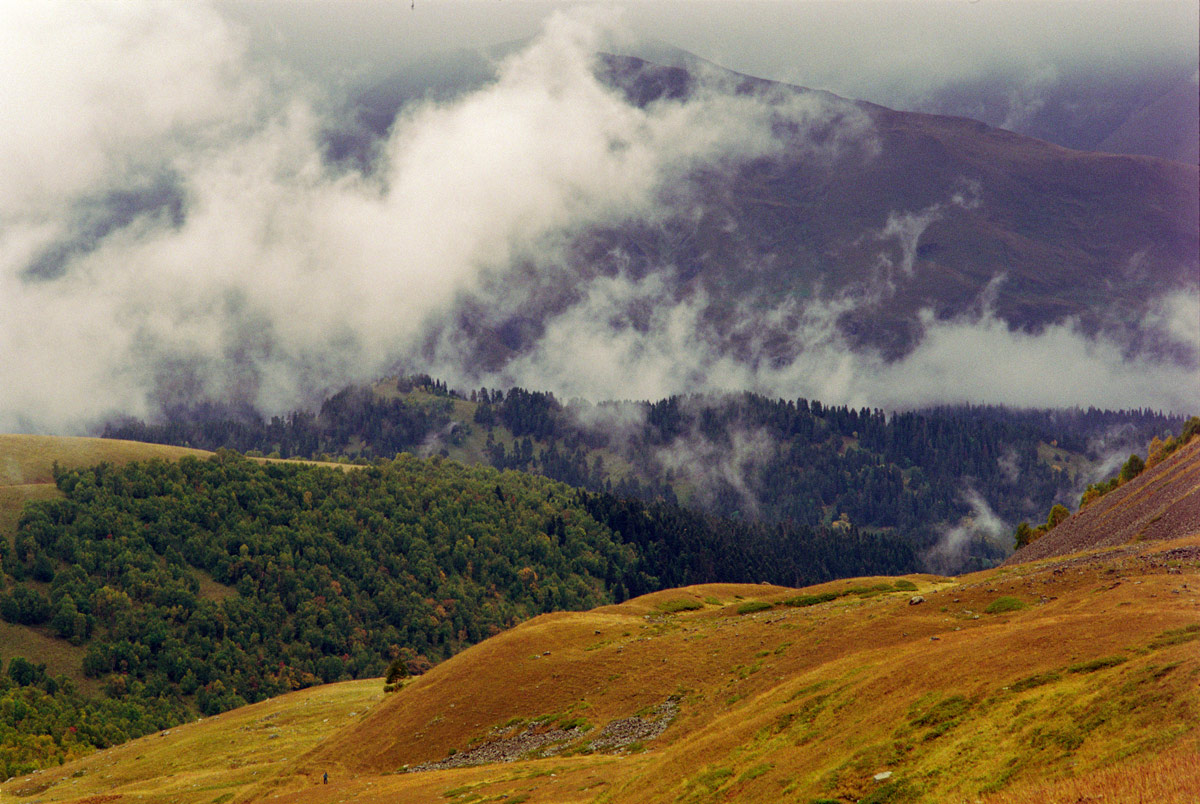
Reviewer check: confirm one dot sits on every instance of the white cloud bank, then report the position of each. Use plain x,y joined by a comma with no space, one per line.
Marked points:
594,348
268,276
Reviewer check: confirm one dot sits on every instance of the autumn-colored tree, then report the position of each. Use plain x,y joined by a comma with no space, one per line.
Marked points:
1132,468
1058,514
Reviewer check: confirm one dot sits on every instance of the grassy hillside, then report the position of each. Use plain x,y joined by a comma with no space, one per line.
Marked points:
206,760
27,463
1050,681
802,703
161,589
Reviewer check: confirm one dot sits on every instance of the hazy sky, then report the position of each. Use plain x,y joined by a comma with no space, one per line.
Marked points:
886,51
170,227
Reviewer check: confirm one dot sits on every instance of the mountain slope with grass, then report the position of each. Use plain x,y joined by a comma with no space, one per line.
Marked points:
1056,680
906,214
1003,678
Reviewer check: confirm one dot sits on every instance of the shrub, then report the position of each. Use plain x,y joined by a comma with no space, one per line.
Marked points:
1023,536
755,772
713,778
868,591
1097,664
1132,468
810,600
574,722
891,793
1002,605
753,606
24,672
1176,636
1029,682
1058,514
24,606
944,711
904,585
1095,491
396,673
678,605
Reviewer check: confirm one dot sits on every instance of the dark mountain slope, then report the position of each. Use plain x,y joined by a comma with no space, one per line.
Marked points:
1161,503
880,213
1167,126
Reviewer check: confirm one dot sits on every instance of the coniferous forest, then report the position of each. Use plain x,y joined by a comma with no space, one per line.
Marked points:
746,456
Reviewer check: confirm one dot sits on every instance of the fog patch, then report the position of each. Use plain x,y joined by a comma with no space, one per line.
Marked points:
719,472
184,238
954,545
1009,465
596,350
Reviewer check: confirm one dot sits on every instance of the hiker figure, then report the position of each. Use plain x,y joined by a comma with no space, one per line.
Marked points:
325,778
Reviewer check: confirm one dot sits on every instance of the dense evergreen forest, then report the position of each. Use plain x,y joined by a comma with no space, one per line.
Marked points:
202,585
915,473
353,421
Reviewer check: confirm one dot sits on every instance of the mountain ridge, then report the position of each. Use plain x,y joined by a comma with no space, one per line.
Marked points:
888,221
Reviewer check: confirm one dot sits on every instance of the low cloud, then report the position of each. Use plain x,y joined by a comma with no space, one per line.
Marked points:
906,228
954,545
171,231
596,346
720,472
261,274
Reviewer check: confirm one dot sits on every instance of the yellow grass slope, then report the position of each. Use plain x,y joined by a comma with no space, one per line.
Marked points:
844,700
26,459
205,761
1088,686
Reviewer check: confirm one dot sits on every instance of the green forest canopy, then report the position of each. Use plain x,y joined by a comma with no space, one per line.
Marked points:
201,585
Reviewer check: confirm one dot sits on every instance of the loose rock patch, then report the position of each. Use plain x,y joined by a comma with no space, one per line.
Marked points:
614,737
625,732
509,749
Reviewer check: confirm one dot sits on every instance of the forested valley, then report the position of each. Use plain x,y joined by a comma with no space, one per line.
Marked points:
916,474
188,588
198,586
